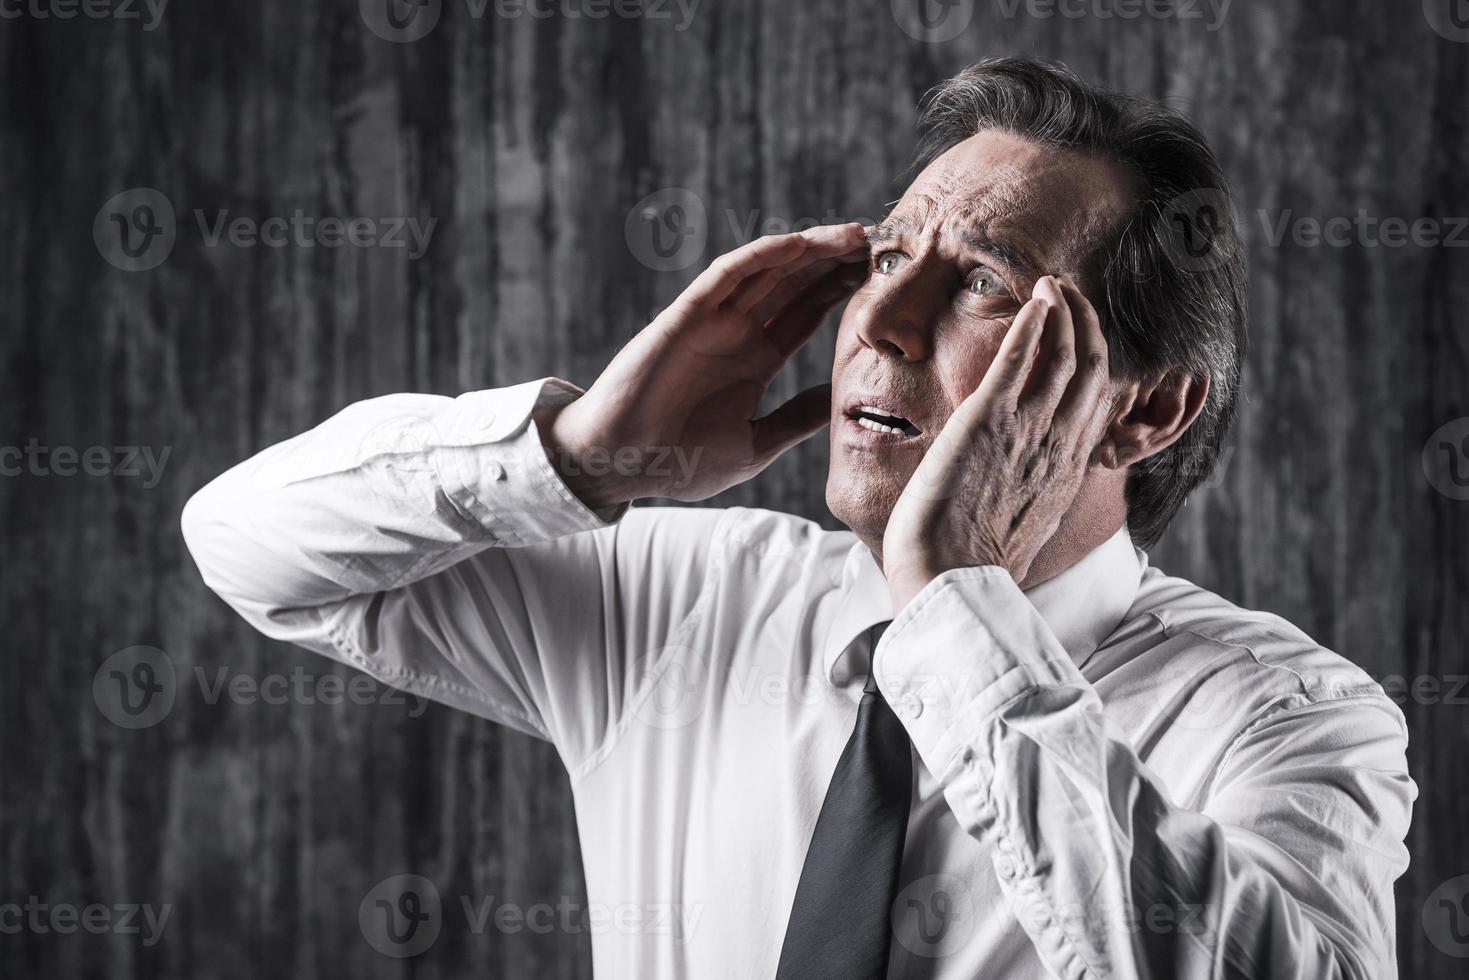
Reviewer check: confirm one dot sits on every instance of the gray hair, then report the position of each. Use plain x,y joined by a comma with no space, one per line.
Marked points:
1167,304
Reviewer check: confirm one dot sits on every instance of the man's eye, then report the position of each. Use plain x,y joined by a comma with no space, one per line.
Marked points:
889,262
985,282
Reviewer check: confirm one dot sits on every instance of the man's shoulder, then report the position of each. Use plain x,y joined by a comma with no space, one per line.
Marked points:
1261,657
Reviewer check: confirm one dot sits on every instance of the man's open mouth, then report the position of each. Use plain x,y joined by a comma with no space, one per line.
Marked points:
880,420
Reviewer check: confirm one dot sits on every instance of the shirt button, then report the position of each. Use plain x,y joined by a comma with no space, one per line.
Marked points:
1005,866
911,705
494,471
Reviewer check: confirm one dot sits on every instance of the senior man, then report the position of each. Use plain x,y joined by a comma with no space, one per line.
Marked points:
974,736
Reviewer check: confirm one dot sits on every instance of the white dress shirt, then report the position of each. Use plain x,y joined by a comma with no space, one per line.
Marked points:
1117,773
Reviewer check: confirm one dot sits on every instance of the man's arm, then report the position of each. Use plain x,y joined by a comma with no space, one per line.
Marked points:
428,542
1292,860
436,543
1286,872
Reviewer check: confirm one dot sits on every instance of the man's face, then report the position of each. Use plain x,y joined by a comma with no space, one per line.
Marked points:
951,266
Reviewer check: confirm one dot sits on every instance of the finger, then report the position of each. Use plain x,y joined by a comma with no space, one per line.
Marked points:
1057,362
1081,403
762,299
800,320
716,283
756,288
800,279
797,420
1006,375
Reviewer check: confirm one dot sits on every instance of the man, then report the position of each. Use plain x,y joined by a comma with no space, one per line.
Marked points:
975,736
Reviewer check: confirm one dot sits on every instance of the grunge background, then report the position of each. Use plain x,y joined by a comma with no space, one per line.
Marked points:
570,166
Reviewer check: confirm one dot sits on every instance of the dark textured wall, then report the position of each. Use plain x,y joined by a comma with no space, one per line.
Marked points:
530,142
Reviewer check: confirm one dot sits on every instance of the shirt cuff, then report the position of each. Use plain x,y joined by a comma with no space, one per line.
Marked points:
493,467
967,645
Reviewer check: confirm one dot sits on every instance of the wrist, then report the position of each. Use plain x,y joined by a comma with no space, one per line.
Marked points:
906,581
585,464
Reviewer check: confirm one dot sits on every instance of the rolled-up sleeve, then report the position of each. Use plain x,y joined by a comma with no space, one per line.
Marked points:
1285,871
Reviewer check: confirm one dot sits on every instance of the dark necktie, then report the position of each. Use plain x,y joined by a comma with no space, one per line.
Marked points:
840,927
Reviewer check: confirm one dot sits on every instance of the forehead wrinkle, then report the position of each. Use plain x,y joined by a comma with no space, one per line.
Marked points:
998,216
1050,243
1004,235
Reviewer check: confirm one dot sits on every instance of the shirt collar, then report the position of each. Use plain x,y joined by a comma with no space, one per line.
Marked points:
1083,605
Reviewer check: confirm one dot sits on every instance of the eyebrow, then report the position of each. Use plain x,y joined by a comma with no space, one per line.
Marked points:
889,230
1004,251
975,235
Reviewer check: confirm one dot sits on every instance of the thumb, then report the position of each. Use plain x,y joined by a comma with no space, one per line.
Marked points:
797,420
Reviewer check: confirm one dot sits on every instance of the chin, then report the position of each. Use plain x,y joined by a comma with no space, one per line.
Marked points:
863,502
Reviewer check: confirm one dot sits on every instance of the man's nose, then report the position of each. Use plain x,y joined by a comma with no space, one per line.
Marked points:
899,318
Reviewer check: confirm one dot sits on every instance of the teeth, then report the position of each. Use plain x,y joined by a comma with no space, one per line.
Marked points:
902,427
876,411
878,426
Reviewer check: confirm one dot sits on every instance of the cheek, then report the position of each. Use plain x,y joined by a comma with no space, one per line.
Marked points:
963,361
847,342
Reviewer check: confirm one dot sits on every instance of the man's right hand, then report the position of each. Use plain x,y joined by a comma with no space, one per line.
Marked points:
687,387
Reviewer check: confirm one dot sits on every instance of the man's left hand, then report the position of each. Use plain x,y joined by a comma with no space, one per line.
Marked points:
1006,467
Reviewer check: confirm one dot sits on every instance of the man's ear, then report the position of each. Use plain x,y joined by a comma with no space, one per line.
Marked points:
1151,416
